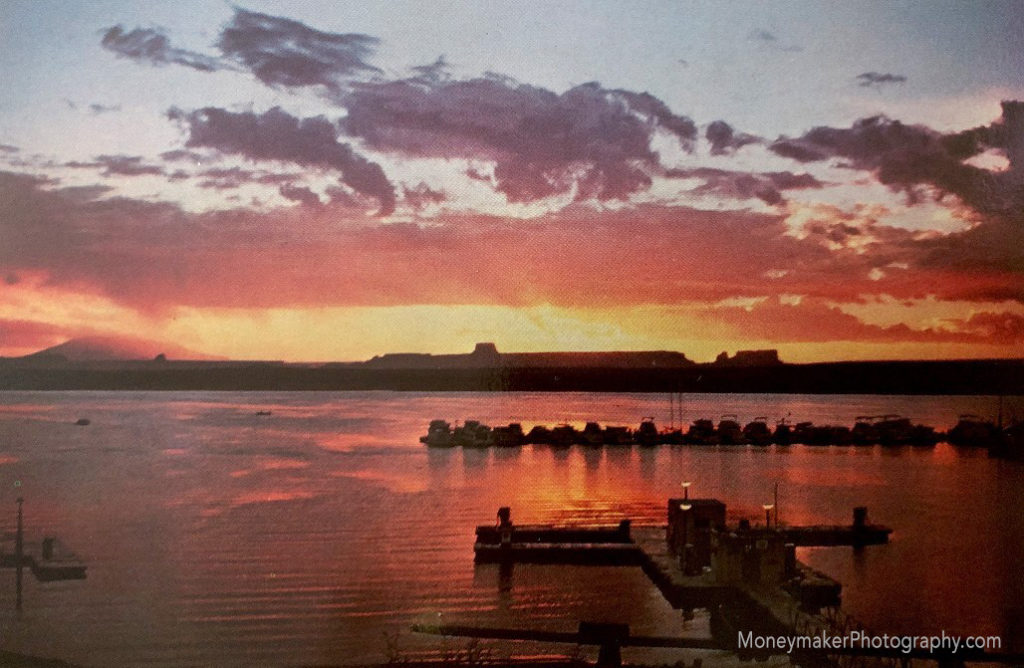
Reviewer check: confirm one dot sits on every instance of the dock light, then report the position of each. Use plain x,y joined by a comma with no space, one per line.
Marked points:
685,506
686,489
768,514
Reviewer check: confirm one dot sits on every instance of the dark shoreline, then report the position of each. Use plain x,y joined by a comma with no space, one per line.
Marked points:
956,377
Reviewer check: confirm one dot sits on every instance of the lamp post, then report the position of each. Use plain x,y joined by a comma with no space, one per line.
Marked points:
768,515
685,507
686,489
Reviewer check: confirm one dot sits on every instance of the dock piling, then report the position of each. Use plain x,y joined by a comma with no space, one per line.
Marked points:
19,556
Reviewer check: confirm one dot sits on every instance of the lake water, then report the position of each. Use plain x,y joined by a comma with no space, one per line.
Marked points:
321,532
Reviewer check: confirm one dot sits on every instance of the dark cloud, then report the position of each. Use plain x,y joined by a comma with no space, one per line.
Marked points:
181,154
762,35
589,138
769,39
119,165
7,148
126,165
879,79
421,196
12,279
432,73
818,320
223,178
96,108
724,139
765,186
299,194
276,135
152,46
477,175
283,52
906,156
342,197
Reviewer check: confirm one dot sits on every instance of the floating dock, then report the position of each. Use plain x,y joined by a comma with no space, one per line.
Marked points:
748,577
48,559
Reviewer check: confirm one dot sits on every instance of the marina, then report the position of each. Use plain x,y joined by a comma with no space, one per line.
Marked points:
888,430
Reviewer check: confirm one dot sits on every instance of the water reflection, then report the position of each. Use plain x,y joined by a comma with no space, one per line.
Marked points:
304,535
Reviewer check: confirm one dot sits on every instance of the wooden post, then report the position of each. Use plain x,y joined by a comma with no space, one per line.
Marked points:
19,556
776,506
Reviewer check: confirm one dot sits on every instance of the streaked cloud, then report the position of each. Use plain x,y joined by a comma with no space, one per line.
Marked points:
152,46
879,79
277,135
283,52
591,139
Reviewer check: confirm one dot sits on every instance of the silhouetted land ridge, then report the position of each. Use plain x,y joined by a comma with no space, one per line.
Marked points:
485,369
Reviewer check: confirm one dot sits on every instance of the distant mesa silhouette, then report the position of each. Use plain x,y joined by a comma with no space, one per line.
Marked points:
116,349
749,358
486,355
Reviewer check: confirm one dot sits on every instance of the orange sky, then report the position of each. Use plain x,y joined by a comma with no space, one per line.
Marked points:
288,192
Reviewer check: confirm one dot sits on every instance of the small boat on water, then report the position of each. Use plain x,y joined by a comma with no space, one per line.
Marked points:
618,436
539,435
729,431
896,430
508,437
473,434
702,432
973,431
439,435
864,431
563,435
783,434
647,434
592,434
757,432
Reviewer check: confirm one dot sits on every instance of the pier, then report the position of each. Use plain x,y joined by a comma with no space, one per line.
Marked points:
48,559
747,577
696,561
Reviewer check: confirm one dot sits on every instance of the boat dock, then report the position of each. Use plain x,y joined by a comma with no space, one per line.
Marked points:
48,559
748,577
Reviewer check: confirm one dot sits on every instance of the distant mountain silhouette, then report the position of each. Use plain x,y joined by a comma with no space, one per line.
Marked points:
116,348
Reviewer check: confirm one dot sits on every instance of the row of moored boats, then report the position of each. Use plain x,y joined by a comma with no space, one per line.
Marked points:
888,430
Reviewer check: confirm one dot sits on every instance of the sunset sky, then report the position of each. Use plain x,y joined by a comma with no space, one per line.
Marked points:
324,180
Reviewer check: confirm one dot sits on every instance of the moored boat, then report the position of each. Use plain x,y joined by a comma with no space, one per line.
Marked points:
439,435
702,432
729,431
508,437
647,434
973,431
757,432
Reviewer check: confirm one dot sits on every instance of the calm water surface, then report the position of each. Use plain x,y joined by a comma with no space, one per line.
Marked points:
215,536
